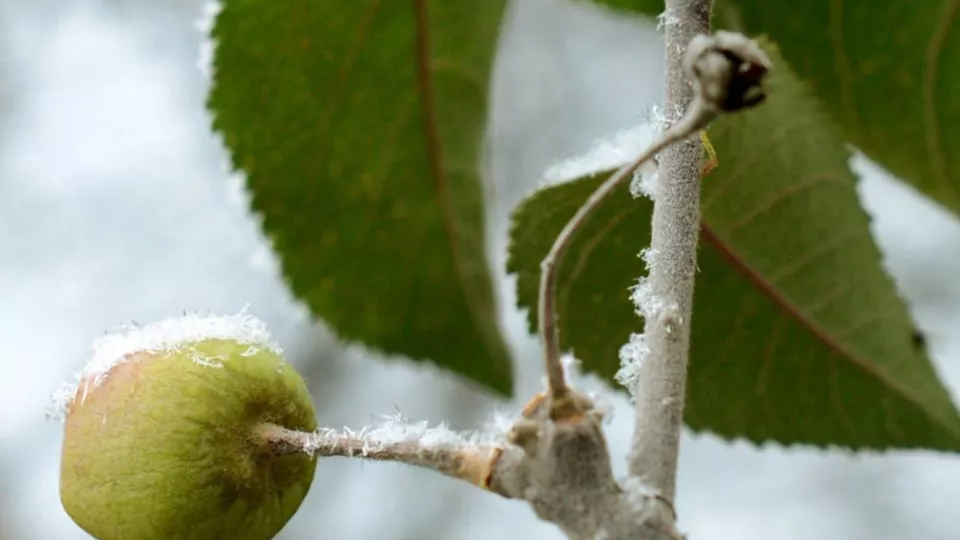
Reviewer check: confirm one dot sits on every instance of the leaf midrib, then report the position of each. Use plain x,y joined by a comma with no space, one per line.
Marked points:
431,133
786,305
934,133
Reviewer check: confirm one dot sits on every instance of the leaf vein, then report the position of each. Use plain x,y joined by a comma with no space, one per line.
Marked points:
825,301
891,420
757,155
350,61
835,342
431,134
760,387
803,261
864,323
841,63
784,195
934,134
837,397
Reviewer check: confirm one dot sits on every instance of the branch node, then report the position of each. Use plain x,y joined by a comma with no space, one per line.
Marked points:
525,434
728,70
560,465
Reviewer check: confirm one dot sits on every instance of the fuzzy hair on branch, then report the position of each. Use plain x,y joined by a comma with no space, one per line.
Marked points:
465,456
707,75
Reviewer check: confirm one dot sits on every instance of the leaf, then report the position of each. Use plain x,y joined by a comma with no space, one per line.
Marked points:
359,126
798,333
650,8
888,72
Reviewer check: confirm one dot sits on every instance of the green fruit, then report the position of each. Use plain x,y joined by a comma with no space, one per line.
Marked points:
159,445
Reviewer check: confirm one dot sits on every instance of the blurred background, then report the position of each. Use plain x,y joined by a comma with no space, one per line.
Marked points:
116,206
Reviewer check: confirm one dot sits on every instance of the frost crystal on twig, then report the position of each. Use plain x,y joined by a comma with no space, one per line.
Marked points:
394,430
646,178
638,495
632,356
662,120
647,303
644,182
466,456
649,256
634,353
665,19
498,424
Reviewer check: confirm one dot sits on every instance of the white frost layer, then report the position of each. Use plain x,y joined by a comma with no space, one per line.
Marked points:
607,153
635,352
168,335
395,429
207,46
641,499
648,304
667,18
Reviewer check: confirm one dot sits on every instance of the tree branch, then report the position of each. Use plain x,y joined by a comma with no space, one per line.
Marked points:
659,391
549,333
716,74
555,456
449,453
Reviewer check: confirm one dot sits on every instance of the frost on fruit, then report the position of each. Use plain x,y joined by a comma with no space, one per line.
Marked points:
158,433
167,335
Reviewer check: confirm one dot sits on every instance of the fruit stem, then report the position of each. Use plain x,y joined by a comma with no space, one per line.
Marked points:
471,463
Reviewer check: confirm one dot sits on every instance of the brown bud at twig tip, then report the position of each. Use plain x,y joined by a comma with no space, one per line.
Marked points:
729,70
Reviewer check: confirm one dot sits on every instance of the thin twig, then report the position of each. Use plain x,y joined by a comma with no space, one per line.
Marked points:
471,463
549,333
727,72
556,455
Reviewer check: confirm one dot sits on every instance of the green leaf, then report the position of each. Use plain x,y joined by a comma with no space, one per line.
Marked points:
888,72
798,333
359,126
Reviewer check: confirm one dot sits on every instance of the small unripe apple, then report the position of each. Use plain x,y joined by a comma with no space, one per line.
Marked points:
160,434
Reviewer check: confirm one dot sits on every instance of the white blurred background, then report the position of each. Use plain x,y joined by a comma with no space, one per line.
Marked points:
115,206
